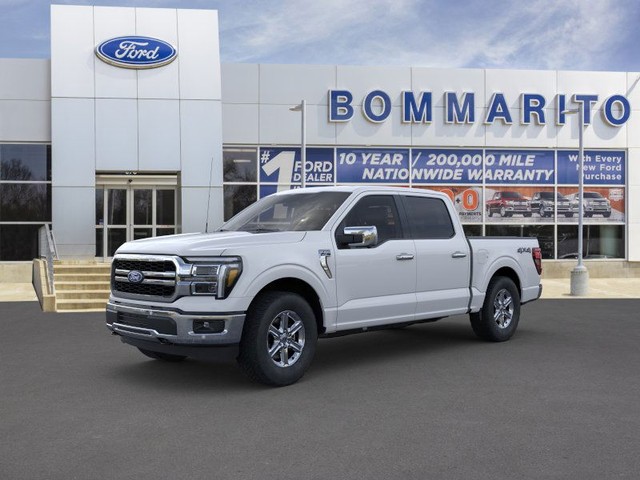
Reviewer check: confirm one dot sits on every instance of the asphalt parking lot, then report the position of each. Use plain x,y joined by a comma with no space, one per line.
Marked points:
560,400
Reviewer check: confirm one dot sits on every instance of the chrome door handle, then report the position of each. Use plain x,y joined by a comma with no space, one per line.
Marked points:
404,256
458,255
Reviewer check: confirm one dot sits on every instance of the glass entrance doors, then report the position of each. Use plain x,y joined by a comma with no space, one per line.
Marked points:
132,211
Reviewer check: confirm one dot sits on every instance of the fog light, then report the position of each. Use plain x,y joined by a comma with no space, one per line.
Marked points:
208,326
204,288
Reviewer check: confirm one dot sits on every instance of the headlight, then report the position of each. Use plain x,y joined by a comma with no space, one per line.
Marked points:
214,276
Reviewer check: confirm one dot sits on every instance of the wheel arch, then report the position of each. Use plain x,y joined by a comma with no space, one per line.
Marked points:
300,287
507,271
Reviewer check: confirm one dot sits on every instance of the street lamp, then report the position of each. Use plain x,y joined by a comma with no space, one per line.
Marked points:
580,274
302,107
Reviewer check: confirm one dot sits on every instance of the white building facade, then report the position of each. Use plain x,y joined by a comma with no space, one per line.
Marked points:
107,154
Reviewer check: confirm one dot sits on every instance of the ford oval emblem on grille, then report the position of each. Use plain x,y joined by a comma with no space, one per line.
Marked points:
136,52
135,276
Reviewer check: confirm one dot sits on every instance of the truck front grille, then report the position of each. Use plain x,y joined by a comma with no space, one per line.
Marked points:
158,278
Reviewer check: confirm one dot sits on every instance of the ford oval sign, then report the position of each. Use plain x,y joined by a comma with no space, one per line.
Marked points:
136,52
135,276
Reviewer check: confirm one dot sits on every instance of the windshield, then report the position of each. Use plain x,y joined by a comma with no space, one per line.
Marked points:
547,195
592,195
282,213
511,195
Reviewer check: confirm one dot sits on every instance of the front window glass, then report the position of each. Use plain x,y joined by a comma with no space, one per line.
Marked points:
295,212
375,210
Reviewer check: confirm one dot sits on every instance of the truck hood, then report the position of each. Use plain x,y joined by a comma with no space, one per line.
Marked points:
207,244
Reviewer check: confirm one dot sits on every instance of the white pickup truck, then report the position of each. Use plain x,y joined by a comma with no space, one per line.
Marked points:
316,262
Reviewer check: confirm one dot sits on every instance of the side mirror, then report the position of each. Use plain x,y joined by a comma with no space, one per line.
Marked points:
358,237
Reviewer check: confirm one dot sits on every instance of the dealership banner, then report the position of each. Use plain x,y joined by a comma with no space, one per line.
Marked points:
283,166
438,166
467,200
533,167
371,165
601,167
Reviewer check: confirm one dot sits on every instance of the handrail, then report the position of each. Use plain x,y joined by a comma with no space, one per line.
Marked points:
48,250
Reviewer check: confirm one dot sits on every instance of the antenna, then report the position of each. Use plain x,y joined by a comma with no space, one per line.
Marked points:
206,223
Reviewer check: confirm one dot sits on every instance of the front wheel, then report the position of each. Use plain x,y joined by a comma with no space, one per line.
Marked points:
498,319
279,339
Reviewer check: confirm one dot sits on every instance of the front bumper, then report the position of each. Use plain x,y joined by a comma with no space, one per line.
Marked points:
172,326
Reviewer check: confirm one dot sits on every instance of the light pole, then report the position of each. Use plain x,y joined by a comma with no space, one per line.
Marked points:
580,274
302,107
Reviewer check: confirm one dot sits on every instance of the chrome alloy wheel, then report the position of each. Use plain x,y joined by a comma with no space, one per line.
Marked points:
285,340
503,308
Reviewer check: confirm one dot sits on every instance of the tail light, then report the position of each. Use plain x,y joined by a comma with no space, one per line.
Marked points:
536,253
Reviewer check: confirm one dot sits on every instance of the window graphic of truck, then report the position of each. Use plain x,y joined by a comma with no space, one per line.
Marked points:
594,204
507,204
543,203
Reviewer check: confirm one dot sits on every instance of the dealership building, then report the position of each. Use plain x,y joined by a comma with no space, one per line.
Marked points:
105,150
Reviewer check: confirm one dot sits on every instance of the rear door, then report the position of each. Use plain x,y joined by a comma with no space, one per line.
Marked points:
443,257
375,285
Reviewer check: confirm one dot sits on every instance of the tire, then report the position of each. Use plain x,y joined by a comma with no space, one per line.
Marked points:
167,357
606,215
503,212
484,323
568,215
526,215
588,215
489,212
542,212
267,351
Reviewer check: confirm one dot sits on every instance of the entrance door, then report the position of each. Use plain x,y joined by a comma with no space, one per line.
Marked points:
132,211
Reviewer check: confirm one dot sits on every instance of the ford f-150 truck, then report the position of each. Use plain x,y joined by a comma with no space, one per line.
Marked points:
316,262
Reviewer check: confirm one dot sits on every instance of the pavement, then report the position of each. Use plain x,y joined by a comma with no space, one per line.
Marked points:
559,400
552,288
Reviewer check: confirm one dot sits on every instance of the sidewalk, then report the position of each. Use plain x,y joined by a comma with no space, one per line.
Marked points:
598,288
552,288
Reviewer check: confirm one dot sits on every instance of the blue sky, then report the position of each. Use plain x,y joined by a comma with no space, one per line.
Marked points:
532,34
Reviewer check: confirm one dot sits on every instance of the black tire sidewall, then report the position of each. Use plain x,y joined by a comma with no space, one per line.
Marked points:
490,327
253,347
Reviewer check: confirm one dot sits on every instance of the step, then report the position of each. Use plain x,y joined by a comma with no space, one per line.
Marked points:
79,262
101,285
83,294
82,269
65,305
82,277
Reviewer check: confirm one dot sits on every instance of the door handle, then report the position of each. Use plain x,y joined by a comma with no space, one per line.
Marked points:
458,255
404,256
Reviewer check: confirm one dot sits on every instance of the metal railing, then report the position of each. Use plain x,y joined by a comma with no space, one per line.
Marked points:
47,250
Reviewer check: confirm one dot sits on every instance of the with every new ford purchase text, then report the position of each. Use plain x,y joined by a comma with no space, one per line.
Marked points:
316,262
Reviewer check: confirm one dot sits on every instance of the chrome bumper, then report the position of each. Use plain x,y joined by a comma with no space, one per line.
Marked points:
184,334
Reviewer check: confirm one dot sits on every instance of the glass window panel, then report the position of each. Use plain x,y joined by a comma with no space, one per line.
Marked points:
139,233
472,230
142,207
115,238
239,164
25,202
99,242
165,231
165,207
428,218
599,241
25,162
18,242
375,210
117,206
100,206
237,198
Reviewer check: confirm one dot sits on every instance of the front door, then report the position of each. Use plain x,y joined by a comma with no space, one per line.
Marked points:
132,211
376,286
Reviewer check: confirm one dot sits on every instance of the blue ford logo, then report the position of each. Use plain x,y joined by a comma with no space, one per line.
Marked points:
136,52
135,276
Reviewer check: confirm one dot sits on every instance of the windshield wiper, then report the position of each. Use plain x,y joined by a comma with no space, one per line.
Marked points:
262,230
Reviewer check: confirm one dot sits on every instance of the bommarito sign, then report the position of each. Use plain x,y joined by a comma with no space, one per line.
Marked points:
459,108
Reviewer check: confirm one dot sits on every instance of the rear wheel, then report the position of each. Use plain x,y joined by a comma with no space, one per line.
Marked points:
167,357
498,319
279,339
